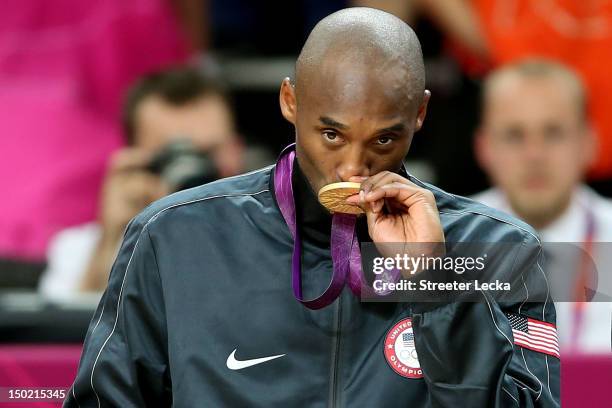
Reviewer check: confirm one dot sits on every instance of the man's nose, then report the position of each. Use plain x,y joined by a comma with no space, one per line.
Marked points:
535,150
353,164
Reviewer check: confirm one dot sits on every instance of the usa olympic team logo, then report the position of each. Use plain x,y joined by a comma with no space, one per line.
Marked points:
400,352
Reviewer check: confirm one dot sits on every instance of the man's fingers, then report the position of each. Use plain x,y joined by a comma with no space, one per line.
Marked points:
403,192
378,189
129,159
367,184
366,206
357,179
384,178
135,187
400,191
373,212
377,206
354,199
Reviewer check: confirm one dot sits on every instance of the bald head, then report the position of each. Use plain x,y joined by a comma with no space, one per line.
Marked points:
534,70
368,41
358,96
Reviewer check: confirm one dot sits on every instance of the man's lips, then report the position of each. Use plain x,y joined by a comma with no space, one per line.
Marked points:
536,183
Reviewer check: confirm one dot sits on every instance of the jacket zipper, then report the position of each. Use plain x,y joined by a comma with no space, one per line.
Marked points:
334,395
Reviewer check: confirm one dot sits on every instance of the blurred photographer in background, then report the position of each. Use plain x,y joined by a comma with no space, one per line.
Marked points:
535,143
180,133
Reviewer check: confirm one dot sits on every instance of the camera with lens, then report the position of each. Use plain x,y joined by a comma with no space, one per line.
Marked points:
182,165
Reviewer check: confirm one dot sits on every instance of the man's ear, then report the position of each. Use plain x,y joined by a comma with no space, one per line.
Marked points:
288,102
482,149
422,111
591,146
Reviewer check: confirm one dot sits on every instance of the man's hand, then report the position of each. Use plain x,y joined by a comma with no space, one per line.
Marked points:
399,211
128,188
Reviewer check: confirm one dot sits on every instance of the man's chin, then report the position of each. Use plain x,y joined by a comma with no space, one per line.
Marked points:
537,205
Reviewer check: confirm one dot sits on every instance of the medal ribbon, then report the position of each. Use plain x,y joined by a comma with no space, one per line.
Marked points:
346,255
584,275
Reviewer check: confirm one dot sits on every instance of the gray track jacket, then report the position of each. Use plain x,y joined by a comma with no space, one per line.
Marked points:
199,312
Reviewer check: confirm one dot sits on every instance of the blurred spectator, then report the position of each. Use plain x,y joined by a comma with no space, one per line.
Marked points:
536,143
167,117
63,67
577,33
484,34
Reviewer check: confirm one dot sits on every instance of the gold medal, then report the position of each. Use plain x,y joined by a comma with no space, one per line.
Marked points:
333,197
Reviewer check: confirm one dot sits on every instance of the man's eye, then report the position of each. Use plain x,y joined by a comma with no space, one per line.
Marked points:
384,140
330,136
512,135
553,134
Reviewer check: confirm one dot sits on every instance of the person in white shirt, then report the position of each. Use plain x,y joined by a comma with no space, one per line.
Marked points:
535,144
162,108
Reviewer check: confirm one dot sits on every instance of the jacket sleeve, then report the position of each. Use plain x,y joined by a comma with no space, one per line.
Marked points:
467,349
124,359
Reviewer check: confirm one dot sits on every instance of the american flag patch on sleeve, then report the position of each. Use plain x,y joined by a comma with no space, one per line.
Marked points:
534,334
